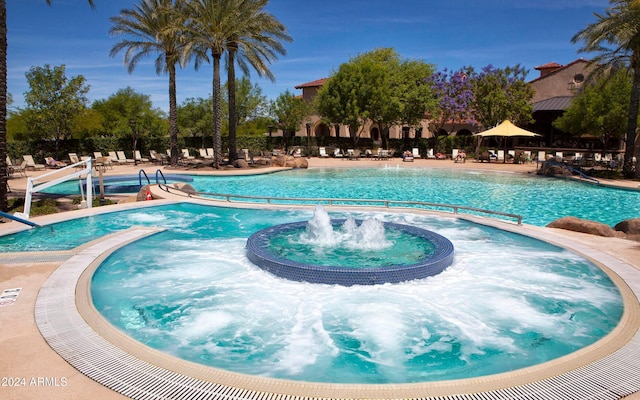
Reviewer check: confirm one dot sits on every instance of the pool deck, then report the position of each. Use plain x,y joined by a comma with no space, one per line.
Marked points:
30,369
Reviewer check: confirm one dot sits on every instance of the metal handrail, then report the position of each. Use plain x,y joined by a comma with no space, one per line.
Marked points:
140,173
230,198
159,172
575,171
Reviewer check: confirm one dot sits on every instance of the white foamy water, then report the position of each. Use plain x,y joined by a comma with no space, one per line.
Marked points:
505,303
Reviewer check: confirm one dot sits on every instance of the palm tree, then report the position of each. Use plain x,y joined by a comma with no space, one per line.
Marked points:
3,102
155,27
234,27
257,43
615,38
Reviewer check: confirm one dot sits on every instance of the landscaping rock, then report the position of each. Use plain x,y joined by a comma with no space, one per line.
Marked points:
240,164
185,187
629,226
301,163
584,226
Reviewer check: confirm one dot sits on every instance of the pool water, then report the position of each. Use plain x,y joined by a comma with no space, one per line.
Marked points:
507,302
540,200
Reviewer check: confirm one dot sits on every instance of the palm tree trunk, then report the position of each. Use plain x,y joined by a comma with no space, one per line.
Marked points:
173,116
3,106
632,124
217,140
233,119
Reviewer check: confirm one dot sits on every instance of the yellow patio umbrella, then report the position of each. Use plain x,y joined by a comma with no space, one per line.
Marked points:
506,129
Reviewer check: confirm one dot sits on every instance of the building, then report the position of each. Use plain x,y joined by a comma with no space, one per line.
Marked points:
554,89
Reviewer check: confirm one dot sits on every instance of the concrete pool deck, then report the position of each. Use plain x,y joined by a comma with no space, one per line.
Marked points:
30,369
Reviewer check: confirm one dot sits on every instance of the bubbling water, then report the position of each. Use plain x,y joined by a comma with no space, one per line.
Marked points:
370,235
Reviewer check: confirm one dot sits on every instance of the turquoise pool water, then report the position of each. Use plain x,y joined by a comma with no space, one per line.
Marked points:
507,302
539,200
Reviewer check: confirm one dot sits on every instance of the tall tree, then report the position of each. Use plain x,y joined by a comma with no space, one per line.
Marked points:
615,40
454,96
599,109
289,111
3,102
155,27
501,94
53,102
247,34
257,43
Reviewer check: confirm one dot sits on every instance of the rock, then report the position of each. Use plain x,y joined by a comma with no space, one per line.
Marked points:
240,164
279,161
584,226
290,163
142,193
263,162
301,162
185,187
629,226
548,169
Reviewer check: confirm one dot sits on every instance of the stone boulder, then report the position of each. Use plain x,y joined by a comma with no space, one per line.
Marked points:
629,226
240,163
290,163
548,169
185,187
279,161
584,226
263,162
142,193
301,163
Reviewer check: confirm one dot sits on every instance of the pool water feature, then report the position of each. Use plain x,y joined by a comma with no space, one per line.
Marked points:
368,252
507,302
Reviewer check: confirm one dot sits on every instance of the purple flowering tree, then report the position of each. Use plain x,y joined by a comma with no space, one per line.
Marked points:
454,96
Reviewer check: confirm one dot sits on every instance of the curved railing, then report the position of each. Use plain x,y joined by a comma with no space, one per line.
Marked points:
455,209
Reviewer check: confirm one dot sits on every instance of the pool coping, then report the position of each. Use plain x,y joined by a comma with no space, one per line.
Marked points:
607,368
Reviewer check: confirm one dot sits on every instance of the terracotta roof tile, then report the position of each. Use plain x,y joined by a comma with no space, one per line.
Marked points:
316,83
549,65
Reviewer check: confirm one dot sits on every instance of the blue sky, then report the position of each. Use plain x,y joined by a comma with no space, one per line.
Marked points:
449,34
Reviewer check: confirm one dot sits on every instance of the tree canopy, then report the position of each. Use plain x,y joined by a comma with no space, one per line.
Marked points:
377,87
599,109
53,102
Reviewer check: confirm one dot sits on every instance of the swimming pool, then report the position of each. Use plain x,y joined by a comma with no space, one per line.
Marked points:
115,184
540,200
507,302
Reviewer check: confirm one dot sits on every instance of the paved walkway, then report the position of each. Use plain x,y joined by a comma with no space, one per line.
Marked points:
31,370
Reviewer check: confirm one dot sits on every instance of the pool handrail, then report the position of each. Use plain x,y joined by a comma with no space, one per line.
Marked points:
159,172
332,201
140,173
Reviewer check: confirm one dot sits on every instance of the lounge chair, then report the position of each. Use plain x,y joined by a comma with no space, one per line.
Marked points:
122,159
210,152
205,155
101,161
12,169
52,163
337,153
323,152
114,158
416,153
354,154
186,155
430,154
407,156
138,157
31,164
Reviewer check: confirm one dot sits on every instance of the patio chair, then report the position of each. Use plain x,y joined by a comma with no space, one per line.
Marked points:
430,154
12,169
122,158
53,163
416,153
323,152
138,157
186,155
203,154
32,164
102,161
